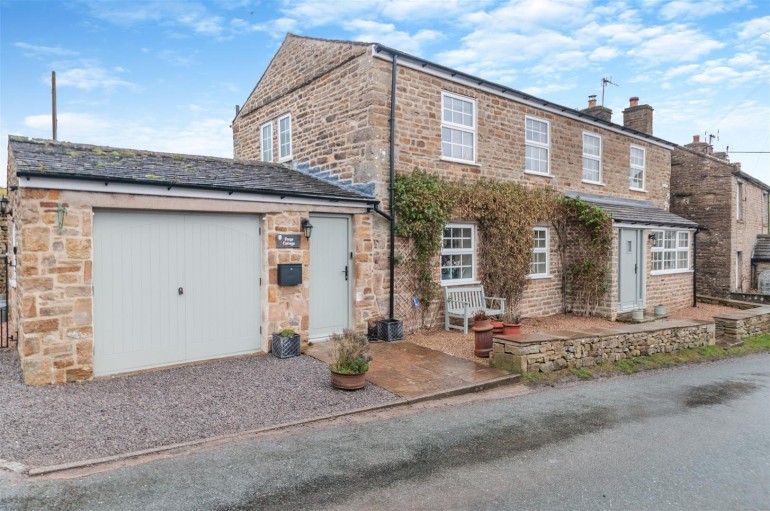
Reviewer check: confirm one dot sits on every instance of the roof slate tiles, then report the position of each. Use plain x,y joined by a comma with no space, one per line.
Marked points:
635,211
54,159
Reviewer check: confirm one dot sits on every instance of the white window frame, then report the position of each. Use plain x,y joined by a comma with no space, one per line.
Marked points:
764,208
545,250
739,201
266,147
539,145
593,157
659,235
284,157
643,168
460,251
460,127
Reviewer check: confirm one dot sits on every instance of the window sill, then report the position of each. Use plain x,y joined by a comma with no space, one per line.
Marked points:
540,276
669,272
642,190
452,283
284,160
549,176
463,162
594,183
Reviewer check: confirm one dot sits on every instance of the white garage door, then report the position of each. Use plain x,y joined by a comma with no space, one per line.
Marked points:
171,288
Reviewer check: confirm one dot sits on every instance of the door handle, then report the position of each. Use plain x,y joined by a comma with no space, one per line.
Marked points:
345,271
180,291
636,267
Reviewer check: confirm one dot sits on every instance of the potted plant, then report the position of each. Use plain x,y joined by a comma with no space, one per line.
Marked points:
497,325
351,360
482,335
481,320
511,322
286,343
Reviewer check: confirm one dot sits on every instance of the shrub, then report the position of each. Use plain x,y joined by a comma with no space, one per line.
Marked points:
351,353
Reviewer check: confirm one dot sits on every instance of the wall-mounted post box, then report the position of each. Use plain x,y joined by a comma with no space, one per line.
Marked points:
289,274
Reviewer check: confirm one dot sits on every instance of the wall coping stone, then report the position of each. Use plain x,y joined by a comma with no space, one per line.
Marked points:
744,314
561,335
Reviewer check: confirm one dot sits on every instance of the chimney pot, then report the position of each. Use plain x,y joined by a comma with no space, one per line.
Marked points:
696,139
633,101
592,101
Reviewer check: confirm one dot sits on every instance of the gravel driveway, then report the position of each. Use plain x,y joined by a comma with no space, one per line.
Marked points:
63,423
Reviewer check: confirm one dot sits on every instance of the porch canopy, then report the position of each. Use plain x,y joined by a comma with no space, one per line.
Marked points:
637,213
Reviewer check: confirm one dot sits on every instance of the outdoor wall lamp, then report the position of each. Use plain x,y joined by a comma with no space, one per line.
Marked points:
4,209
652,236
307,228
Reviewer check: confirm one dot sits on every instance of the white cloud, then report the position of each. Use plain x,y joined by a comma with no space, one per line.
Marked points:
89,77
176,57
386,33
32,50
194,16
604,53
276,28
678,43
207,136
689,9
757,27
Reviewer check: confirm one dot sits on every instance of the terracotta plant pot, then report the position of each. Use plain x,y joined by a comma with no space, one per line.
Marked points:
497,327
482,341
511,328
482,323
348,381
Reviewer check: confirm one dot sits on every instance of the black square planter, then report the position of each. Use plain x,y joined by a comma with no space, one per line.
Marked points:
390,329
285,347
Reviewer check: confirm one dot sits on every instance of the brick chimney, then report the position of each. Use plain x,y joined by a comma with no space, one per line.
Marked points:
600,112
697,145
638,117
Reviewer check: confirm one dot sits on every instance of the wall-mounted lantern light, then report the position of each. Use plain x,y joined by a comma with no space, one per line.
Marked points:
653,236
4,209
307,228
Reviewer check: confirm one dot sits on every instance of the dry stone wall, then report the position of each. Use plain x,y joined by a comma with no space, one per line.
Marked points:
543,353
738,325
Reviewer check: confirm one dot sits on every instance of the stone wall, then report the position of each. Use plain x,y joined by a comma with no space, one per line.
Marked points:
738,325
703,189
4,246
531,353
340,130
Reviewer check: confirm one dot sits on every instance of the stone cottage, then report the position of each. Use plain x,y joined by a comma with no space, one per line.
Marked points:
325,106
731,208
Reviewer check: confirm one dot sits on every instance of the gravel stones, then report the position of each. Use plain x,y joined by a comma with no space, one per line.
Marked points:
62,423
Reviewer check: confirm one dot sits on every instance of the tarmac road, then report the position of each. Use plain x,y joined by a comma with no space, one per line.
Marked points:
695,437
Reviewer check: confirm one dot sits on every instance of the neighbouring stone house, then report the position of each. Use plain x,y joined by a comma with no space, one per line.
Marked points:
128,259
731,208
324,107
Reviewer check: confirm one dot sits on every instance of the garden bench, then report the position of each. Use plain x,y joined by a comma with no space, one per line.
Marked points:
464,302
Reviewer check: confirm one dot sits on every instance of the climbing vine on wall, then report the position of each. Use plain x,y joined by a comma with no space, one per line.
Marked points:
423,208
505,214
585,243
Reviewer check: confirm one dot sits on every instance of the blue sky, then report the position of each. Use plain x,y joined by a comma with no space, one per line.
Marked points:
166,75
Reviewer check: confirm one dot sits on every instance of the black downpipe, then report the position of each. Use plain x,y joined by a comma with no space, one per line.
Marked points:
391,306
695,268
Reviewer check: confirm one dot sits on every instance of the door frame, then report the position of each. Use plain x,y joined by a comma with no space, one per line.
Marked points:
351,270
641,261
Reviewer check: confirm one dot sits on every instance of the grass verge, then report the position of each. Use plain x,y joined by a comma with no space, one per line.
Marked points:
758,344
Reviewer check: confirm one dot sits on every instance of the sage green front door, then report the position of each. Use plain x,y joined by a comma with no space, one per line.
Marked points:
630,270
330,274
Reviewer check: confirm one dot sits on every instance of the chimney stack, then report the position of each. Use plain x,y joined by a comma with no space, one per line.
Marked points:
698,146
638,117
599,112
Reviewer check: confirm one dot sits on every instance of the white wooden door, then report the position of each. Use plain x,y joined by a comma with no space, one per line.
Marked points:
330,273
171,288
630,271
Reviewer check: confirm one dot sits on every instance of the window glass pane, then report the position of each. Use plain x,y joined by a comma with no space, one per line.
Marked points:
637,157
682,259
684,240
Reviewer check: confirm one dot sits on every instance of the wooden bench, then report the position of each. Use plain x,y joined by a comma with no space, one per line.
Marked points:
464,302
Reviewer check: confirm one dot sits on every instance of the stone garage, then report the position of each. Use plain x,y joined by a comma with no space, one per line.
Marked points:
124,260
